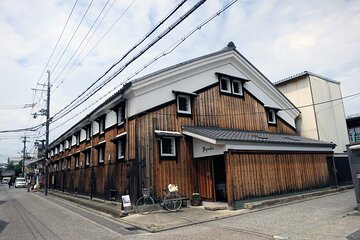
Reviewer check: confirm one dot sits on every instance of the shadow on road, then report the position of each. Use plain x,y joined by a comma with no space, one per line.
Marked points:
3,225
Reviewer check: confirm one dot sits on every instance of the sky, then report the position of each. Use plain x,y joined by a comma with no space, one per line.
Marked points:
280,38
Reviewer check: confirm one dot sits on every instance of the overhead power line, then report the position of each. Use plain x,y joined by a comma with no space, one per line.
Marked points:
82,41
158,38
35,128
72,37
164,53
77,63
57,42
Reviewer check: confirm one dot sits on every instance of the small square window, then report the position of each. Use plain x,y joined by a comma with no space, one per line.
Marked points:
184,104
225,85
271,116
237,87
121,143
168,147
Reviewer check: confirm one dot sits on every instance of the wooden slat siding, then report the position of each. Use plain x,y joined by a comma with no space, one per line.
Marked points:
209,108
254,175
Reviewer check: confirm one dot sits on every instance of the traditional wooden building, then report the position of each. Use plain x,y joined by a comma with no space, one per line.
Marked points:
213,125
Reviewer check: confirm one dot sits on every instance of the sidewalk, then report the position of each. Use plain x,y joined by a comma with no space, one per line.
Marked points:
163,220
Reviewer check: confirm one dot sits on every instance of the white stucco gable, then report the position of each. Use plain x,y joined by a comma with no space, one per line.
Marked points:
199,73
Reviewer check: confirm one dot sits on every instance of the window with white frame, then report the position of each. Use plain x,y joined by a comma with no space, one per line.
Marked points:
237,87
67,144
121,143
271,116
225,85
167,147
121,114
51,152
61,147
77,159
101,153
183,104
56,150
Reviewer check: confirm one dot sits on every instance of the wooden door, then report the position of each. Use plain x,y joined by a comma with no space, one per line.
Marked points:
205,178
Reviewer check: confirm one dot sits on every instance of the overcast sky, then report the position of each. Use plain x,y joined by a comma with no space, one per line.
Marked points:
280,38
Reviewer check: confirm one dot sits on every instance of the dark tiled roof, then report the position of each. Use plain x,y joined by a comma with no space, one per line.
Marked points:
224,134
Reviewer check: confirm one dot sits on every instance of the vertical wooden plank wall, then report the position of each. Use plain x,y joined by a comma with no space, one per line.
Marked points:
252,175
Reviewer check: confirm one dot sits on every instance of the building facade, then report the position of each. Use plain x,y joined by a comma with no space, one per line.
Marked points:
322,114
353,127
213,125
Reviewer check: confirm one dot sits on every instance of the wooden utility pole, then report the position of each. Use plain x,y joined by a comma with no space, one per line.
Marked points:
47,135
24,156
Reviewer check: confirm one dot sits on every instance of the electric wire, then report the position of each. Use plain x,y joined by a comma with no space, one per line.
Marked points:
77,63
82,41
72,37
58,40
123,67
167,51
126,54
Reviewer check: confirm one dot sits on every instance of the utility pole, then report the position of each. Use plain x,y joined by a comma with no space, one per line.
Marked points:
24,156
46,112
47,134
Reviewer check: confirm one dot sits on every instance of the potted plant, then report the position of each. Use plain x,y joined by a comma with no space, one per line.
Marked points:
195,199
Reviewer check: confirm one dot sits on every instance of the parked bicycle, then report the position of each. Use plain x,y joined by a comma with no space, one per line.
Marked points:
172,200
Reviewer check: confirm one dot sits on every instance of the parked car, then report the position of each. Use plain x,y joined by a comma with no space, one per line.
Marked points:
5,180
20,182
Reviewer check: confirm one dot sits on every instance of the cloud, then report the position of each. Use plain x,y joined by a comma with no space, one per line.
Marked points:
280,38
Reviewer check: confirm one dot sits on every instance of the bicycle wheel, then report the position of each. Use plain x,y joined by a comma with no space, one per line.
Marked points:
172,201
145,205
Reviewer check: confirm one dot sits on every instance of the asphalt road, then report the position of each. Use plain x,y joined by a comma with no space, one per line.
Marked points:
32,216
29,216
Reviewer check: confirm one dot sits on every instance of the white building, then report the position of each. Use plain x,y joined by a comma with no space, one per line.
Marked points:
322,111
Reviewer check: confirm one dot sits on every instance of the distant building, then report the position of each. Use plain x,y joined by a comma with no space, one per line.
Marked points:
353,126
322,112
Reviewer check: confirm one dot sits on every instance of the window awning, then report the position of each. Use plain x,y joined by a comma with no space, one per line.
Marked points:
161,133
118,136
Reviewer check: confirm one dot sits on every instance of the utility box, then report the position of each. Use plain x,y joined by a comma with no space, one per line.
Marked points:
354,161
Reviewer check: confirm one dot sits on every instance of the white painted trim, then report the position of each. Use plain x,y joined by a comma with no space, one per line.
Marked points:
205,139
121,134
160,132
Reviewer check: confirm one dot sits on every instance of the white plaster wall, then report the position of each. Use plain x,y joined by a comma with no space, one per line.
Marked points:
111,119
299,93
152,92
205,149
82,135
331,115
95,127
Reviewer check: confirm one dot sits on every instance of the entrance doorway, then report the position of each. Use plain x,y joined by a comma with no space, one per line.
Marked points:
212,178
220,178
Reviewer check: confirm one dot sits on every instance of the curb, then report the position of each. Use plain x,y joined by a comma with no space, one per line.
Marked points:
281,200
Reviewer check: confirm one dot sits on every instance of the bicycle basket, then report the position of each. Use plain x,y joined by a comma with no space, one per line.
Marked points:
172,188
146,192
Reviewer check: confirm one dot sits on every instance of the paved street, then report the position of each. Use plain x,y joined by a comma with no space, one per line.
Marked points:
28,216
31,216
